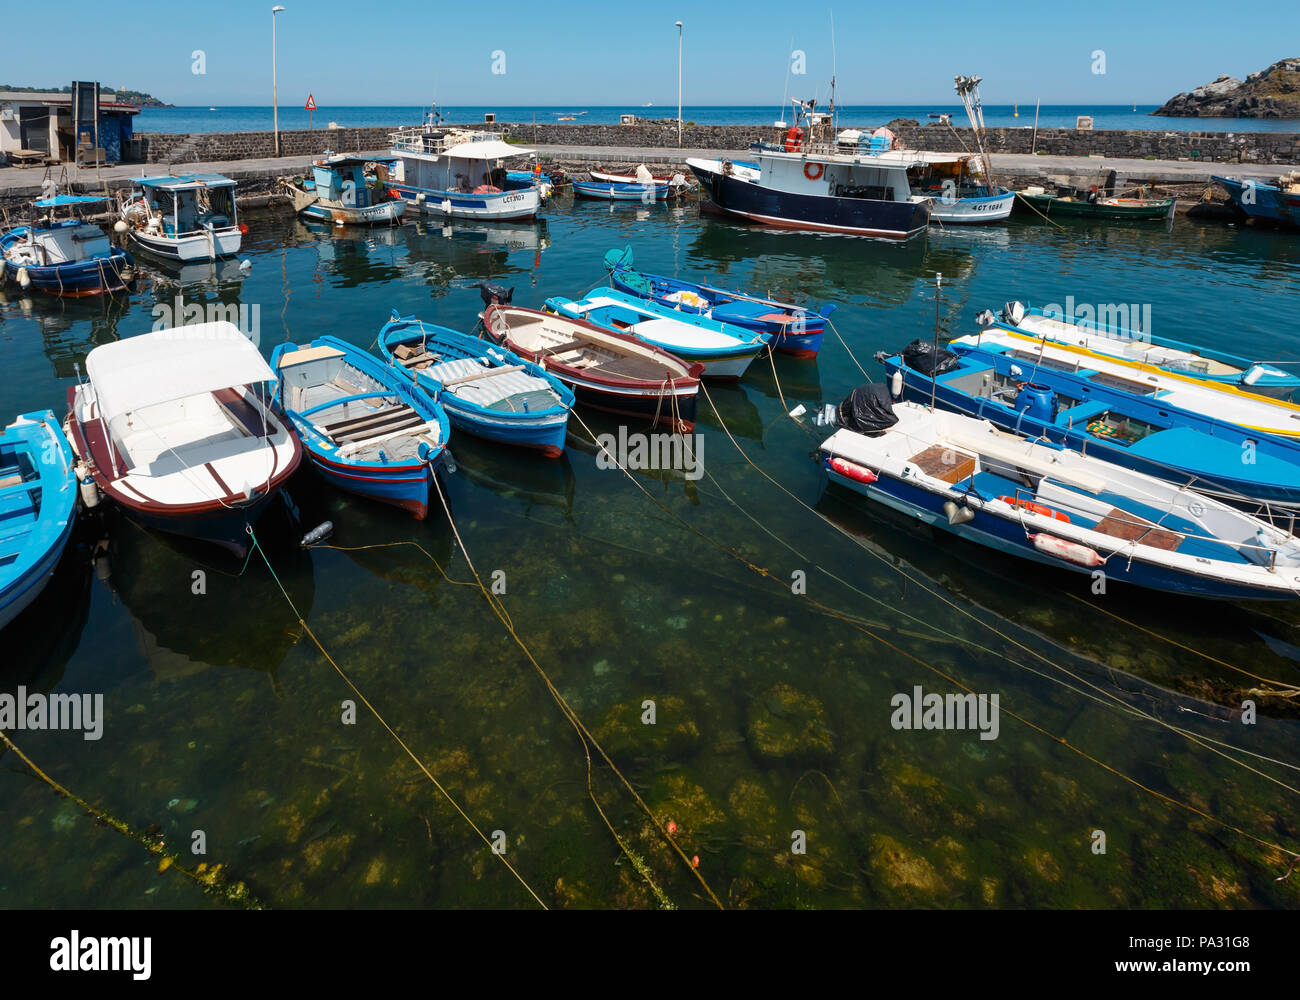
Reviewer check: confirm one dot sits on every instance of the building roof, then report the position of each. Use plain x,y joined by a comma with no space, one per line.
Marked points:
108,101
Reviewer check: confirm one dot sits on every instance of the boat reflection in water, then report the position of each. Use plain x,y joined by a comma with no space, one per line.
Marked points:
72,328
498,469
41,640
799,267
182,602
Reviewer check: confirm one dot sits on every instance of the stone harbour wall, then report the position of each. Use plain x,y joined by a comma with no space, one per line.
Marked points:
1220,147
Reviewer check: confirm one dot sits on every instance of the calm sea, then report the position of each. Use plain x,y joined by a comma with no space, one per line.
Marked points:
772,722
1050,116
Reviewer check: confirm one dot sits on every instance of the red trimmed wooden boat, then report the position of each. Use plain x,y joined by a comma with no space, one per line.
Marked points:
171,427
606,370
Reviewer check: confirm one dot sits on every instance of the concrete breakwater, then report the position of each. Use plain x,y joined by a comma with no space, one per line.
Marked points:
1218,147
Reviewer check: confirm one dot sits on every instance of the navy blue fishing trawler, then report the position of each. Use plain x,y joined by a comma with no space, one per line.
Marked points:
808,182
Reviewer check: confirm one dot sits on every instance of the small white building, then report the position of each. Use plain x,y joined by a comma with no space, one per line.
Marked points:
42,123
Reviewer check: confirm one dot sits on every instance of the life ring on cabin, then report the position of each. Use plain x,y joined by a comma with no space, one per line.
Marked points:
243,229
807,171
394,194
1035,508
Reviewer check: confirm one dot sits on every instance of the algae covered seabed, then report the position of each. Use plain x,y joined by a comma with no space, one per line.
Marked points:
772,709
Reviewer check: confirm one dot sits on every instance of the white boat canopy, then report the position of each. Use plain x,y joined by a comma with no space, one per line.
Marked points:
172,364
488,150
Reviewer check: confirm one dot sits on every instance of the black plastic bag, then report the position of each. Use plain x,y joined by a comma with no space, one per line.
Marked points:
495,295
868,410
921,356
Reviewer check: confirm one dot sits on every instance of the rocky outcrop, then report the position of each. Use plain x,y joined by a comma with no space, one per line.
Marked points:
1270,93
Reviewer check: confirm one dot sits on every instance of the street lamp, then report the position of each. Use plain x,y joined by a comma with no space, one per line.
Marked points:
679,84
275,93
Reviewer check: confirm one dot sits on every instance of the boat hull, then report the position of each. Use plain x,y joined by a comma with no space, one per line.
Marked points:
613,191
1263,201
49,535
224,243
918,387
804,342
96,276
744,199
224,522
1052,206
403,486
385,213
973,211
1009,535
520,203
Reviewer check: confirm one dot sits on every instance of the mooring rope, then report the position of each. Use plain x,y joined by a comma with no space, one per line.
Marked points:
211,879
307,630
996,631
587,739
870,633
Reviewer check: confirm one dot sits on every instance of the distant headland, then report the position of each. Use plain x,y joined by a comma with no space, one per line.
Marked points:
137,97
1270,93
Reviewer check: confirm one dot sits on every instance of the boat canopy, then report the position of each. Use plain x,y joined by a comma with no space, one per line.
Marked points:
184,182
172,364
490,150
69,199
344,161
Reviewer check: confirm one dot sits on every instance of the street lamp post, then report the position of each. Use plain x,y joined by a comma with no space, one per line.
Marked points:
275,92
679,84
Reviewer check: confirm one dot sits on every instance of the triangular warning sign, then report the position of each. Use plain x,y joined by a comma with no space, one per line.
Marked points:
311,103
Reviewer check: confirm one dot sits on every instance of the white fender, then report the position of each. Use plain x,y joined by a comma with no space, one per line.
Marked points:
1073,552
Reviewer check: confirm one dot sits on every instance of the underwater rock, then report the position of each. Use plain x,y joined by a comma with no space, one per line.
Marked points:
687,804
753,812
787,725
902,869
674,735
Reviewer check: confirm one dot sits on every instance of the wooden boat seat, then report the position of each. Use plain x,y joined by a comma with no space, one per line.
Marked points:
242,413
382,421
572,345
8,481
1131,528
633,367
944,462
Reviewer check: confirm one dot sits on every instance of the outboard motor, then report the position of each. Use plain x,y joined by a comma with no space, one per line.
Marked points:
1038,401
495,295
1013,313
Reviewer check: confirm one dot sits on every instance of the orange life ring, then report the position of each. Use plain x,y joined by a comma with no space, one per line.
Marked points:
1036,508
807,171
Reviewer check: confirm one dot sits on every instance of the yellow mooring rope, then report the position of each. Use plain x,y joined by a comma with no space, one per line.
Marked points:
213,881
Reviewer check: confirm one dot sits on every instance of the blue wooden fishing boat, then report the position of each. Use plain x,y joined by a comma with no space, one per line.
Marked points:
1129,422
1061,508
64,256
1278,202
726,351
367,428
486,390
1146,349
339,192
38,505
795,330
615,191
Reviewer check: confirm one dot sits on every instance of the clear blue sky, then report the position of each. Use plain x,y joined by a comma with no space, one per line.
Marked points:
610,52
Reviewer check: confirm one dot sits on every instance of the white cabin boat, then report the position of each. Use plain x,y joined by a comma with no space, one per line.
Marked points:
460,173
184,217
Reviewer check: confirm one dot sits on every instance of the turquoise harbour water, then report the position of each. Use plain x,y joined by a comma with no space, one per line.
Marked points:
772,712
1105,116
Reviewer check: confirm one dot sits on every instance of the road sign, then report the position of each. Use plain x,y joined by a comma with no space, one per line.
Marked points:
311,103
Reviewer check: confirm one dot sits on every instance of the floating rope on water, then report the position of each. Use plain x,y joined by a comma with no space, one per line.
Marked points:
212,879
